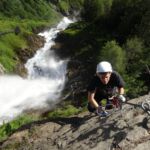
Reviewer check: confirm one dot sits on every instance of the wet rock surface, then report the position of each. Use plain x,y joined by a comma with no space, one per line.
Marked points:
128,129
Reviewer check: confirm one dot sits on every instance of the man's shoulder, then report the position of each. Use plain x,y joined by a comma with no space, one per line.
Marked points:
117,78
115,73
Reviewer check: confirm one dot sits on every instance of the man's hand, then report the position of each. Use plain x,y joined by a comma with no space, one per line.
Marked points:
99,110
122,98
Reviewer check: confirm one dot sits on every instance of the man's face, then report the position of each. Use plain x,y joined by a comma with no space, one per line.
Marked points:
104,77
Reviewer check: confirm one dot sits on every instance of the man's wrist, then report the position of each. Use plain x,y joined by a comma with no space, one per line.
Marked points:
121,93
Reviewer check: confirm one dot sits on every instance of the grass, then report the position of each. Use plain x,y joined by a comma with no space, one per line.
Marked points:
8,128
8,63
8,44
64,112
11,42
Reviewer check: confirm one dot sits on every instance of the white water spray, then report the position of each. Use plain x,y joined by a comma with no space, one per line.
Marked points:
42,88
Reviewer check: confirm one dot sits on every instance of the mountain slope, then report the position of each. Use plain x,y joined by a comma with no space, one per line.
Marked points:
128,129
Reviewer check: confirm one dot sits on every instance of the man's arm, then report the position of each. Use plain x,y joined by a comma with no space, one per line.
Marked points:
121,90
92,100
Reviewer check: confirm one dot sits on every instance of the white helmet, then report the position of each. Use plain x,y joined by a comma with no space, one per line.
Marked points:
104,66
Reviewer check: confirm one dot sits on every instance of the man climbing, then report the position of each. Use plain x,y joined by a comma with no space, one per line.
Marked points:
103,86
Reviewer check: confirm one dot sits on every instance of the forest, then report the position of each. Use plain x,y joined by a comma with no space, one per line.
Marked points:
121,30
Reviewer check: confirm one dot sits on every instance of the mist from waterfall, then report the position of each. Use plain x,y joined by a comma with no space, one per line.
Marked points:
44,84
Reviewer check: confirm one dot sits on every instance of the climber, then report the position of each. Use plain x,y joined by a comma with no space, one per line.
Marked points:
105,83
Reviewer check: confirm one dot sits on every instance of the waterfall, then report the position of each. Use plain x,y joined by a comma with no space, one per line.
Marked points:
42,88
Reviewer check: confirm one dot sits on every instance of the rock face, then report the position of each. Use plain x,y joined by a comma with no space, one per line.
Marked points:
128,129
35,42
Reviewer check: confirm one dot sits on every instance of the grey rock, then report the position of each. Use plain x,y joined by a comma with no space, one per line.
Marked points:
128,129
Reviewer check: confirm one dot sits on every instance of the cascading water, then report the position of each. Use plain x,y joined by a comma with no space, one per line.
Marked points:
42,88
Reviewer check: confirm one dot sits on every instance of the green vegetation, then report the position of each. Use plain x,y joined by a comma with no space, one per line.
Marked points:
94,9
27,9
67,6
19,14
113,53
113,30
66,111
8,128
117,31
64,7
10,43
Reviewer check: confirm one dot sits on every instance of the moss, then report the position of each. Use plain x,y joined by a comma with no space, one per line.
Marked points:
64,112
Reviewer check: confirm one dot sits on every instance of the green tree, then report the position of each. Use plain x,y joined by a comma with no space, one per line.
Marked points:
144,28
24,9
134,86
136,67
135,51
93,9
113,53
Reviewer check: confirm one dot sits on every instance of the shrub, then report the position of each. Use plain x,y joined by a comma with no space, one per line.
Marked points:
113,53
